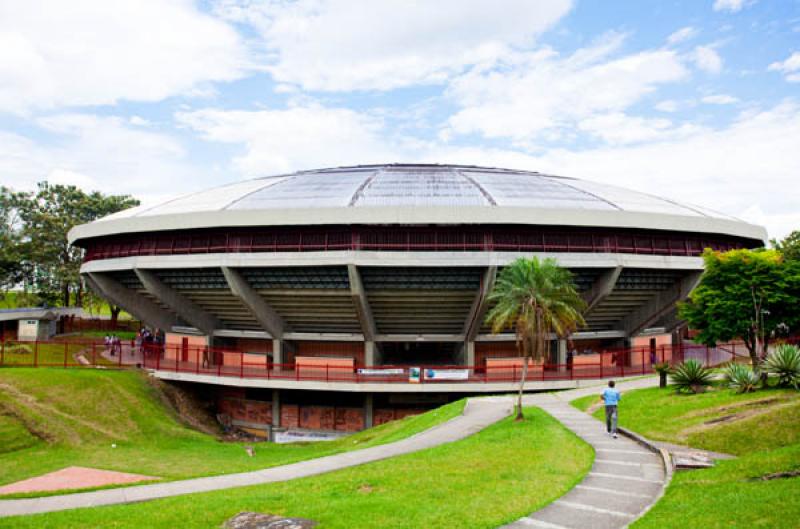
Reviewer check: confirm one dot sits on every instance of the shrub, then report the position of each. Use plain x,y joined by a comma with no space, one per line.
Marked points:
784,363
663,369
691,376
741,378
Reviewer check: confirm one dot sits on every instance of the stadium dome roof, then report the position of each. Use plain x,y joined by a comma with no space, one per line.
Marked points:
417,193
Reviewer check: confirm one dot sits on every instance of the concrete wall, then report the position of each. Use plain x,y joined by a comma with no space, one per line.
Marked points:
32,330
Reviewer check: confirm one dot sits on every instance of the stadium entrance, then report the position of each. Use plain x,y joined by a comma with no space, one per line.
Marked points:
420,353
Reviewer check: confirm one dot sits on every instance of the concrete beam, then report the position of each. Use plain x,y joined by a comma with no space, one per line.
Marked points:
187,310
479,306
276,408
469,353
266,316
419,338
369,411
660,304
601,288
361,303
141,307
580,335
369,354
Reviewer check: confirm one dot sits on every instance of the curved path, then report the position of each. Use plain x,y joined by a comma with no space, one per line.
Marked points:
625,480
478,413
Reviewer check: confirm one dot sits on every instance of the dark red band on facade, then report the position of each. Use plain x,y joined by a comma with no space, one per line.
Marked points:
502,238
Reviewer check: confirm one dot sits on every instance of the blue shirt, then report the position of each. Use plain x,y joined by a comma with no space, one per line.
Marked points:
611,396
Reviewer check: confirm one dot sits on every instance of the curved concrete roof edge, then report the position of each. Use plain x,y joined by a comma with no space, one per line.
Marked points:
405,215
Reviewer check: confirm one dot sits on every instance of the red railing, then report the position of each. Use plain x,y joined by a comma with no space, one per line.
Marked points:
225,362
412,238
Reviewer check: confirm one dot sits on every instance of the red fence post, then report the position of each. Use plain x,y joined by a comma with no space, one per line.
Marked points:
66,346
642,351
36,353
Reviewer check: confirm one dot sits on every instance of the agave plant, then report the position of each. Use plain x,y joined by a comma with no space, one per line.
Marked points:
741,378
784,363
691,376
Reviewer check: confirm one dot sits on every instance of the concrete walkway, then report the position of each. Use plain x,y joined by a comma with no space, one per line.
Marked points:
615,469
624,481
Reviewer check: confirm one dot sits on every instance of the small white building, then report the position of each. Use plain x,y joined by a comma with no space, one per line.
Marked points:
33,323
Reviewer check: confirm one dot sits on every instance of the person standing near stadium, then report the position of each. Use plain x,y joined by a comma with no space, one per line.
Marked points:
611,398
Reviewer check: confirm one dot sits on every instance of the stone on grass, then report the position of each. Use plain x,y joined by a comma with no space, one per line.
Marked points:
257,520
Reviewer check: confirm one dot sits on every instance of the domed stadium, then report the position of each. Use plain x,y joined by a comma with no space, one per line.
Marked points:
340,281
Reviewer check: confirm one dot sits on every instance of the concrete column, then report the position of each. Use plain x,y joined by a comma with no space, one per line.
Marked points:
369,354
277,354
276,408
368,410
562,354
469,353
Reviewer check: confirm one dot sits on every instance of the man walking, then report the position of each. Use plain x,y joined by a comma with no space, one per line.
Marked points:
611,398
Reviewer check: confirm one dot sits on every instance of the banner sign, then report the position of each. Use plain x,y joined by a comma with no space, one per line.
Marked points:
379,372
446,374
413,375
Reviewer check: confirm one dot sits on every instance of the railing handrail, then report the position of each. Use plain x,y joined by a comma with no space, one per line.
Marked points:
228,362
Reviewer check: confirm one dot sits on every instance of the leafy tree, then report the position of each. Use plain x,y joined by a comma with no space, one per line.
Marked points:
48,215
744,294
789,246
537,299
12,265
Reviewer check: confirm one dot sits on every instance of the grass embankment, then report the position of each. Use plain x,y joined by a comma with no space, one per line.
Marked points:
54,418
762,428
48,354
491,478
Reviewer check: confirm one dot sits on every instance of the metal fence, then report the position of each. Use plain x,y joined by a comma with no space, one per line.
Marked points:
227,362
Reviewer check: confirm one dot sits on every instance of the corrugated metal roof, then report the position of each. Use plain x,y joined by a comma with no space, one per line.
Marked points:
418,185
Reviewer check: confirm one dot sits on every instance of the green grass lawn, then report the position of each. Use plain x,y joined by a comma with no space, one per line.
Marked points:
762,428
505,471
63,417
52,354
747,422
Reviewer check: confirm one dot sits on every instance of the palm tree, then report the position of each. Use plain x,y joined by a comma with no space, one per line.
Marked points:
538,299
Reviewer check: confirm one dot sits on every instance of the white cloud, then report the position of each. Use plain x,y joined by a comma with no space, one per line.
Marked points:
790,67
341,45
682,35
621,129
732,6
707,59
752,163
99,153
55,53
720,99
538,94
668,105
301,137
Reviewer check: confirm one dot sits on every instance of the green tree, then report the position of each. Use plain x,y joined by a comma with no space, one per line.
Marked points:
48,215
744,294
12,270
537,299
789,246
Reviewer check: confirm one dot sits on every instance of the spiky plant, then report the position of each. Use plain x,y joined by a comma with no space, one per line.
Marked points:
784,363
741,378
691,376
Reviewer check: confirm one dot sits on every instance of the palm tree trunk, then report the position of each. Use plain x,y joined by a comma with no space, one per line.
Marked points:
524,376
